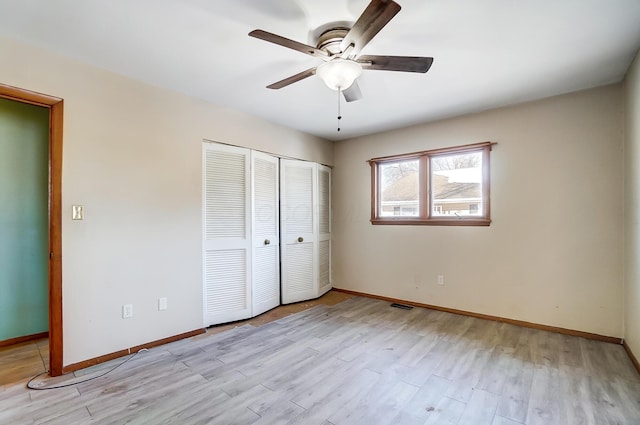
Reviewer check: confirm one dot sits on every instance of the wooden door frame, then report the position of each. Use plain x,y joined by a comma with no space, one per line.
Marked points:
55,106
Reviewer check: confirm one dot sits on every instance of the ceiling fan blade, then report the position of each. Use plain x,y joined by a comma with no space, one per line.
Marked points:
353,93
293,79
285,42
372,20
395,63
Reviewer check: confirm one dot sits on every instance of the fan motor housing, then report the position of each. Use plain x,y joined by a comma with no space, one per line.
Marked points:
331,39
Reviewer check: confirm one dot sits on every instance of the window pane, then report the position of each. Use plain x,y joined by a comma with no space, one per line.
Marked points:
456,185
399,189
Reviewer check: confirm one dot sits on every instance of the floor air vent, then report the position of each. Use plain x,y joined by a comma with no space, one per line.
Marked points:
402,306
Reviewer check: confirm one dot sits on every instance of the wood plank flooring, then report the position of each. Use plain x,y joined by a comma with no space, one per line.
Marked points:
356,362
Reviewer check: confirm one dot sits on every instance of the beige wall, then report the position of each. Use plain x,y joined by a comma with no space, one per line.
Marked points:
553,254
632,208
132,157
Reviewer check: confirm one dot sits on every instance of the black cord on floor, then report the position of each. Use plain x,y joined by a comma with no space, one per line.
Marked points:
79,382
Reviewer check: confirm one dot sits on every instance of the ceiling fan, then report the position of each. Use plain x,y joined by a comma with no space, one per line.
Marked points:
339,47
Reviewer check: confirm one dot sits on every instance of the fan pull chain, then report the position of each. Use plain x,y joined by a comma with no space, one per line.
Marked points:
339,116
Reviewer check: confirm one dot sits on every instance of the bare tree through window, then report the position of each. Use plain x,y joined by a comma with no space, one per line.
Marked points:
395,171
456,162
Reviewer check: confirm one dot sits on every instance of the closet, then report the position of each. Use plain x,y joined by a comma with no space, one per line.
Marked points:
306,230
250,199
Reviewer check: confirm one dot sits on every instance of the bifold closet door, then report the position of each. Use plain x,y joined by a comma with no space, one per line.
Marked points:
227,233
266,232
324,229
299,229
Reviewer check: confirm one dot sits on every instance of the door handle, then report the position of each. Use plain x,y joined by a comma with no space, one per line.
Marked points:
267,241
300,239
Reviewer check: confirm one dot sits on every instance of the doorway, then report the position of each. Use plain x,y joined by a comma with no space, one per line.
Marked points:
55,109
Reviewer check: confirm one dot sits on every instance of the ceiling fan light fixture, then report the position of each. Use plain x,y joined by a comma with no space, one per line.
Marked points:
339,74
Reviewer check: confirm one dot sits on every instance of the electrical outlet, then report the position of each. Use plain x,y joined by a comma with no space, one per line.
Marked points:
441,280
162,303
127,311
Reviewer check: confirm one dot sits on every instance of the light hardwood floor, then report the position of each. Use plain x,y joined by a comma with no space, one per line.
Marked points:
357,362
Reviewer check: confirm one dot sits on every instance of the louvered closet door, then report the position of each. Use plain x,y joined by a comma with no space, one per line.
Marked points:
266,233
227,229
324,229
298,224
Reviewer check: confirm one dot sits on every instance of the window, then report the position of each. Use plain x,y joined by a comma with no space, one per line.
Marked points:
400,178
439,187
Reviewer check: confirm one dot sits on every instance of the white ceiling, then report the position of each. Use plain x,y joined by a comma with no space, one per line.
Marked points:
487,53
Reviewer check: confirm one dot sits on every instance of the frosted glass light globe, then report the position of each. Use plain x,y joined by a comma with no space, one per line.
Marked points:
339,73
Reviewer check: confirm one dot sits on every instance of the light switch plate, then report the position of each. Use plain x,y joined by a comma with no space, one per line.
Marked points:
162,303
77,212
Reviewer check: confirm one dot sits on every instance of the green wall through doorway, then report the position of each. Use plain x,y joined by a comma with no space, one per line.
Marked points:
24,194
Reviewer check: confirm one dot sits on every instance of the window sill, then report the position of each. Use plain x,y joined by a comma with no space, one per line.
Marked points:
432,221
